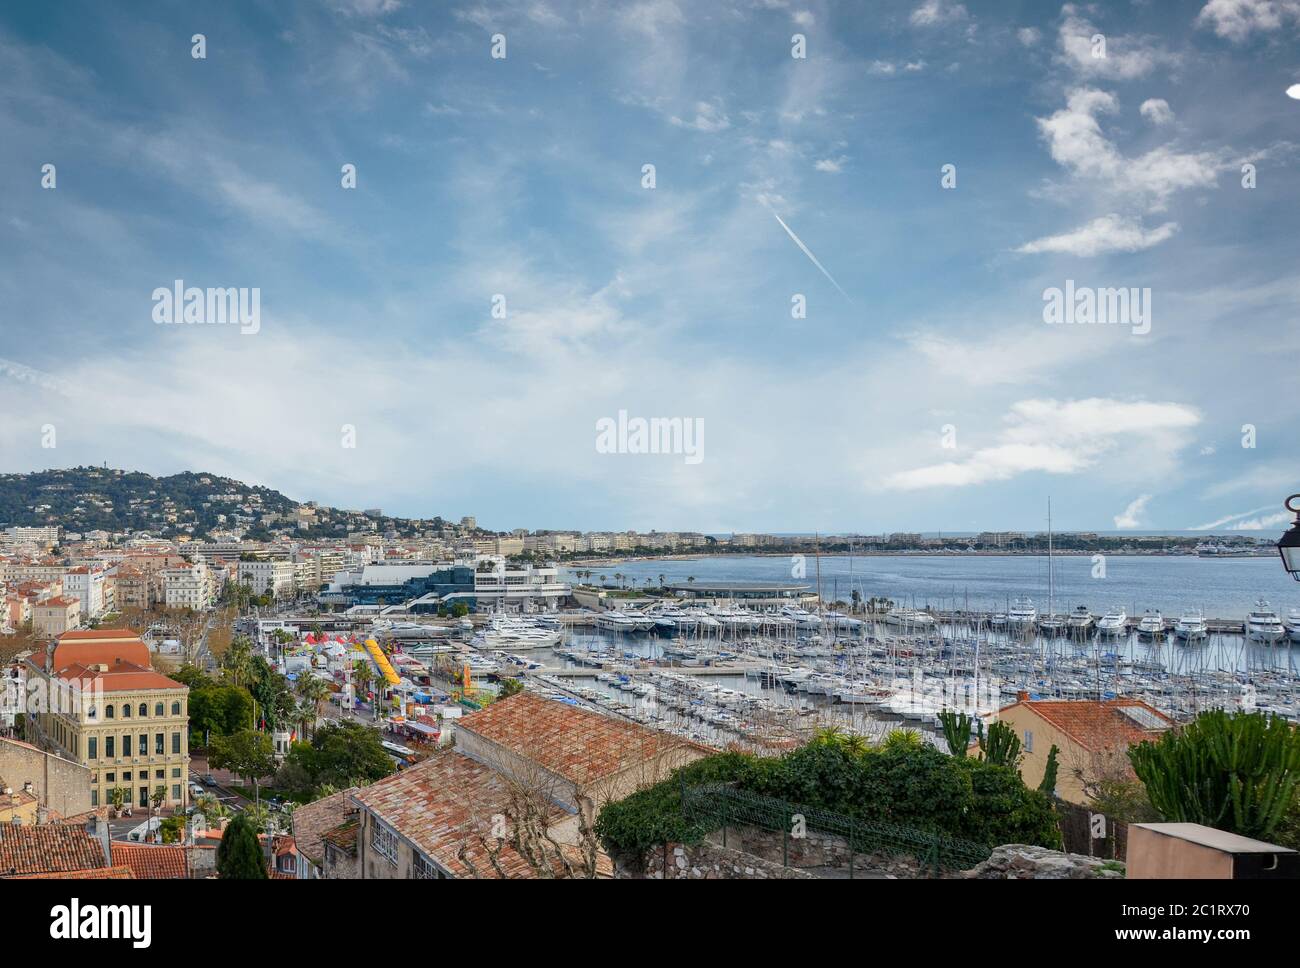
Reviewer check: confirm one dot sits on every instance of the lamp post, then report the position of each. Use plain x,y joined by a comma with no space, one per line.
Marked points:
1289,544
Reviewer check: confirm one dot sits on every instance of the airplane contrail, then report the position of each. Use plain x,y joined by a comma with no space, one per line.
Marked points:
808,252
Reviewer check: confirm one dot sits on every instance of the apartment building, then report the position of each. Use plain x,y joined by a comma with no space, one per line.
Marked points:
126,723
86,583
54,616
190,587
276,577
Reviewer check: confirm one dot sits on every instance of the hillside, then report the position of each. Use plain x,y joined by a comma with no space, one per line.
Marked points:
98,498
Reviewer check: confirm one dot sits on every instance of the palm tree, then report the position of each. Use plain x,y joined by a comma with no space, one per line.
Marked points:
312,692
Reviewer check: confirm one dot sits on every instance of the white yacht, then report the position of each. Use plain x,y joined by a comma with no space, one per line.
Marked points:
1080,620
514,633
1114,622
1022,614
911,618
801,617
1263,625
619,621
1293,624
1151,625
1191,626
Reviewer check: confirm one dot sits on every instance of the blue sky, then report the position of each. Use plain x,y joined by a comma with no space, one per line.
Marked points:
928,393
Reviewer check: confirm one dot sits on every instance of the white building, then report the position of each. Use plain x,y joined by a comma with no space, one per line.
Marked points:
188,587
264,576
86,583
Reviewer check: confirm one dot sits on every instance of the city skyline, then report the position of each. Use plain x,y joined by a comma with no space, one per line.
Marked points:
923,386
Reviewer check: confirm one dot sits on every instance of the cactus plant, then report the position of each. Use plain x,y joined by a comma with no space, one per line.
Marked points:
1000,746
956,730
1237,772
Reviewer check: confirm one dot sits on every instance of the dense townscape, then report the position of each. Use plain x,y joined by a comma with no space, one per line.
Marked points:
445,704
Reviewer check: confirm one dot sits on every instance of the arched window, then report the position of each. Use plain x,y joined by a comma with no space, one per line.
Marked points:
92,712
126,710
144,709
157,709
176,709
108,712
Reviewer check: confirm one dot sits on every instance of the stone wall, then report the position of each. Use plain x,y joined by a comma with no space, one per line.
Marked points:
59,784
706,862
827,852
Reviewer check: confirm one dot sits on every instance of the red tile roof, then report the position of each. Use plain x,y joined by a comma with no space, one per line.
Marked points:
313,820
120,677
96,874
579,745
443,803
48,848
1099,725
152,861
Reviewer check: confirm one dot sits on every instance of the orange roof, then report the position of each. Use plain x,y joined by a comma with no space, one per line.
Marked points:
100,635
579,745
444,803
46,849
152,861
94,874
120,677
1099,725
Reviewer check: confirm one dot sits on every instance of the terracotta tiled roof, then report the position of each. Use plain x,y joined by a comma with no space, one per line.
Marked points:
442,803
312,820
48,848
1100,725
152,861
579,745
344,836
120,677
79,651
122,873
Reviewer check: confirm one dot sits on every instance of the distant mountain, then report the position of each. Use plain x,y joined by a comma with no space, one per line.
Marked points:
84,499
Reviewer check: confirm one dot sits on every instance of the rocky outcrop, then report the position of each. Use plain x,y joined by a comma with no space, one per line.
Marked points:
1026,862
707,862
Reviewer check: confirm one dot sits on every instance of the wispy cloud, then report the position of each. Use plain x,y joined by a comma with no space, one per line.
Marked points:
1109,233
1131,516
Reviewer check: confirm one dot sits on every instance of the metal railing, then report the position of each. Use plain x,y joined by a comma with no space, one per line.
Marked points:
719,806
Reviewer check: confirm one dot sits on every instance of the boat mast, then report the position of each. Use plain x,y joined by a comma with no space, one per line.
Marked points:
1051,588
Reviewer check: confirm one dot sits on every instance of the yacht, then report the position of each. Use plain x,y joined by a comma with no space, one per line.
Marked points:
619,621
1151,625
1191,626
1114,622
1022,614
1263,625
909,618
1052,625
801,617
1080,620
1293,624
513,633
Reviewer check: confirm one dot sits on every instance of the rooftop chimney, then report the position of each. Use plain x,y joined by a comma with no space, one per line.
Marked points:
1022,696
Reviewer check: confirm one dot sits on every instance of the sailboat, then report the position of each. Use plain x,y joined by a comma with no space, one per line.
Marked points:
1050,624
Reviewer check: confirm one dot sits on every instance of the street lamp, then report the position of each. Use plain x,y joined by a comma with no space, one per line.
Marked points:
1289,545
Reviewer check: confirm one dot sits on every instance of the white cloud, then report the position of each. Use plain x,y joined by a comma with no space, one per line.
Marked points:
1156,110
1220,522
1236,20
803,18
934,13
1109,233
1131,516
1259,524
1059,437
1126,57
1029,36
1076,142
832,165
708,117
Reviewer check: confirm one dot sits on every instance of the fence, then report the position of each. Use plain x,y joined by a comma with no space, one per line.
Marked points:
718,806
1082,833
